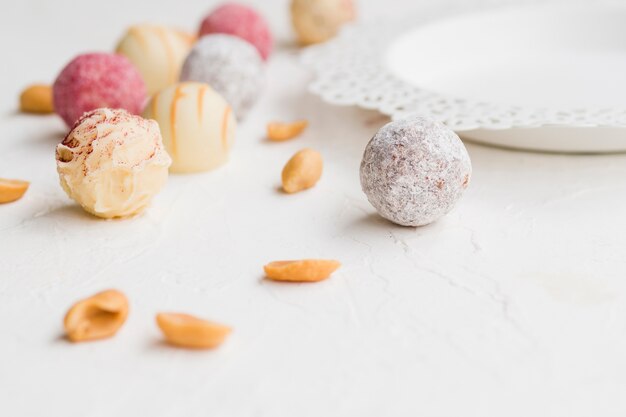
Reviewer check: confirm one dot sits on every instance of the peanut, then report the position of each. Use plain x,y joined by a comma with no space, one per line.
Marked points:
97,317
278,132
302,171
187,331
37,98
12,190
307,270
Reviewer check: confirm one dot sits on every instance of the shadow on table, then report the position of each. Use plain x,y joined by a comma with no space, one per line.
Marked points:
375,222
161,346
70,211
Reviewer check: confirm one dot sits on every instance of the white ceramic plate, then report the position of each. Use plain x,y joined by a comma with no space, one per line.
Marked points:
541,77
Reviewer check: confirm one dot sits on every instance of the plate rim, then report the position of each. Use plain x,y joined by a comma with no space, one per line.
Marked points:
351,70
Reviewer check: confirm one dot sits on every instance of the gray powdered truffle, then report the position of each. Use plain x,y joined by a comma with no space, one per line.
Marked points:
414,171
232,66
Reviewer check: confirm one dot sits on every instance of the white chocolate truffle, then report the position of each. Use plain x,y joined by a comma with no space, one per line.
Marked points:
157,52
232,66
112,163
414,171
197,125
317,21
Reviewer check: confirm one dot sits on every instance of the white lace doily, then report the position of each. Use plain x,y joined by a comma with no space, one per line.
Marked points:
349,70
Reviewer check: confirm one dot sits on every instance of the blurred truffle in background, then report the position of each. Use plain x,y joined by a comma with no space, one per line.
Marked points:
231,66
241,21
158,53
317,21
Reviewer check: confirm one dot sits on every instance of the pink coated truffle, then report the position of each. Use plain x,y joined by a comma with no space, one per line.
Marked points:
96,80
241,21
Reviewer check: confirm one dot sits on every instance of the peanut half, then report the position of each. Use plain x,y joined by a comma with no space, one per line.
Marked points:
37,98
12,190
302,171
278,131
187,331
307,270
97,317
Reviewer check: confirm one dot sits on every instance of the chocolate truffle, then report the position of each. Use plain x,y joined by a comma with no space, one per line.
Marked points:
112,163
158,53
197,125
241,21
317,21
231,66
92,81
414,171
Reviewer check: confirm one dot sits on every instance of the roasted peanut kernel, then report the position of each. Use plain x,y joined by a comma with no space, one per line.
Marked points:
37,98
278,131
307,270
184,330
302,171
12,190
97,317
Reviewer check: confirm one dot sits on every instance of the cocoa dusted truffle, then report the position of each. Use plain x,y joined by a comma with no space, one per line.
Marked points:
414,171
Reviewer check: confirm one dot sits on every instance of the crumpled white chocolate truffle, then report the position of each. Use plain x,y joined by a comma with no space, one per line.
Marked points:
112,163
414,171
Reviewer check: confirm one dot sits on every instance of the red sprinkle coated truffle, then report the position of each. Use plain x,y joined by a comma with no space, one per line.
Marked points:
241,21
96,80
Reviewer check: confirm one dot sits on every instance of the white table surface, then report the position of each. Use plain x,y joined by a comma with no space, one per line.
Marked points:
513,305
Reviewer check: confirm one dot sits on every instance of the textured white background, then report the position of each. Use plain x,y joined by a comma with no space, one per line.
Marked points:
513,305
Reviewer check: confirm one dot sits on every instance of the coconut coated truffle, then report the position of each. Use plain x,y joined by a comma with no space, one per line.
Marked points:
158,53
197,124
112,163
414,171
97,80
241,21
231,66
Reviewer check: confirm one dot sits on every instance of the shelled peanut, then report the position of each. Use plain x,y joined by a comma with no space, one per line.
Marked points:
97,317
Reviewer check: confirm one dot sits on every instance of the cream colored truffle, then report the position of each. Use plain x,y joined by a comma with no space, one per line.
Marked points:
317,21
158,52
112,163
197,124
